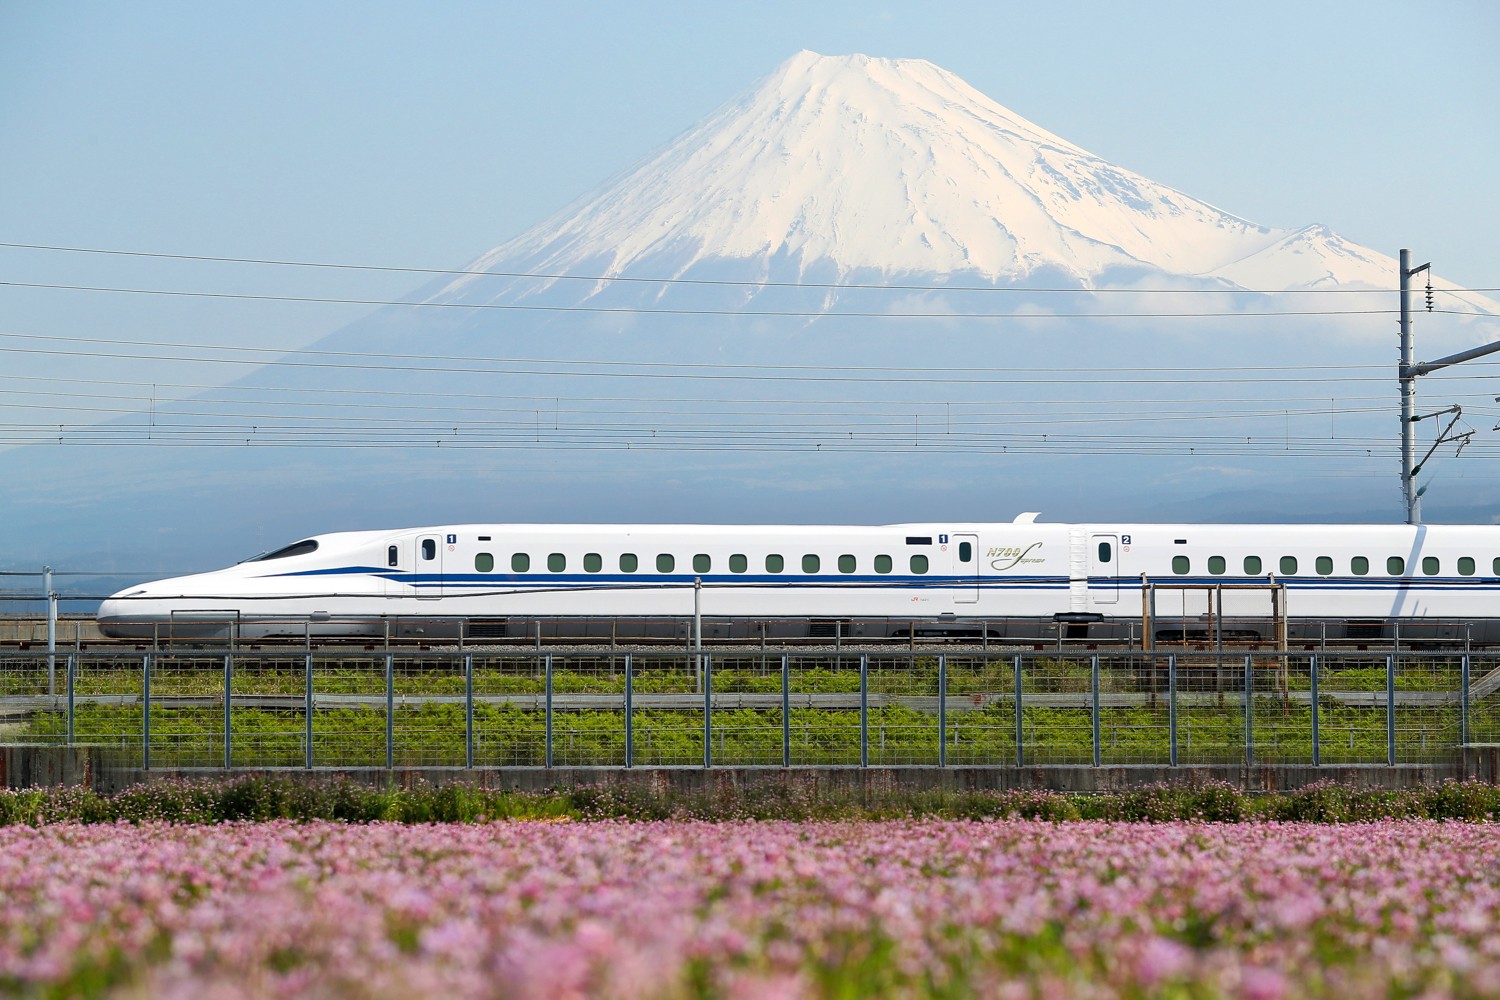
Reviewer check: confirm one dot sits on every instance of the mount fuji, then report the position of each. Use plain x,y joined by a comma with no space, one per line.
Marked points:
846,215
855,168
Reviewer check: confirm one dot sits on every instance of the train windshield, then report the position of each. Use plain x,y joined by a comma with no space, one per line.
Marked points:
301,548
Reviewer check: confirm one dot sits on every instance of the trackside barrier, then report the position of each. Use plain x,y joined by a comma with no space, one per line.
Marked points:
773,708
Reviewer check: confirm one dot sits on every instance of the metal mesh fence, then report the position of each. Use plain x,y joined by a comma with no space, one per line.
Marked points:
33,700
981,710
1211,708
667,709
349,716
824,692
1484,699
901,725
268,714
1057,717
187,723
755,708
509,715
1134,708
1352,710
1427,695
747,709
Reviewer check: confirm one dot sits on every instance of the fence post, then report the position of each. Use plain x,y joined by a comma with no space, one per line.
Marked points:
390,711
629,715
547,707
1463,701
1020,747
864,710
1317,747
1094,703
146,712
1390,711
1172,709
71,675
308,713
1249,710
706,665
228,710
786,711
469,710
942,710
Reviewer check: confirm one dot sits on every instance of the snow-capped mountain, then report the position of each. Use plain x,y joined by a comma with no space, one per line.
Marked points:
842,167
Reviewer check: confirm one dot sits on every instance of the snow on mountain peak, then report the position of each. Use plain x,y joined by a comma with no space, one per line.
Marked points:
853,164
893,165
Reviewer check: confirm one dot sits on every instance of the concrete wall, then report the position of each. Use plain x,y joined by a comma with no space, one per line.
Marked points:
33,766
36,766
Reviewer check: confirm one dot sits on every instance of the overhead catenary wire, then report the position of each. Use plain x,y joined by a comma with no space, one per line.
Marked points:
947,315
995,375
678,280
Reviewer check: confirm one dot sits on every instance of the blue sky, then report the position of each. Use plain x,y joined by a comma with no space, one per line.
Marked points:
422,135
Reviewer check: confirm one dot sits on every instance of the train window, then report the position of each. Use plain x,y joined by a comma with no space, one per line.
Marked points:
846,563
1288,565
1324,565
484,562
593,562
738,563
965,552
1430,565
1465,565
520,563
629,562
1395,565
557,562
1495,567
393,556
1252,565
919,564
665,563
1359,565
810,563
1106,552
775,564
429,548
295,549
1216,565
702,563
1180,565
882,564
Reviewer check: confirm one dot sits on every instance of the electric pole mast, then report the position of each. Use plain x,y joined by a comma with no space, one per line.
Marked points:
1407,374
1408,380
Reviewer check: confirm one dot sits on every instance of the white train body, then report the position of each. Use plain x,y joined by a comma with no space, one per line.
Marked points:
880,579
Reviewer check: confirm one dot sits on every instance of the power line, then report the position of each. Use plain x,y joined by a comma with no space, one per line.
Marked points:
542,276
552,398
695,376
649,311
715,366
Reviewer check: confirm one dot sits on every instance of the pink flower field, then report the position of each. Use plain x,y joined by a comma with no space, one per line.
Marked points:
688,909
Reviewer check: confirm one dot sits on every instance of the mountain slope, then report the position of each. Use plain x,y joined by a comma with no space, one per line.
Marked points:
848,166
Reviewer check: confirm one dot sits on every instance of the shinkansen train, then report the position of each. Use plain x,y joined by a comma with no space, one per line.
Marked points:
1022,580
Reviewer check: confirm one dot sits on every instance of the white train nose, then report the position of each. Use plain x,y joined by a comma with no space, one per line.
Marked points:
124,615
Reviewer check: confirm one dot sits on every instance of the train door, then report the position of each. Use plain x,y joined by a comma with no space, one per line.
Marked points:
1104,569
397,568
966,569
428,578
